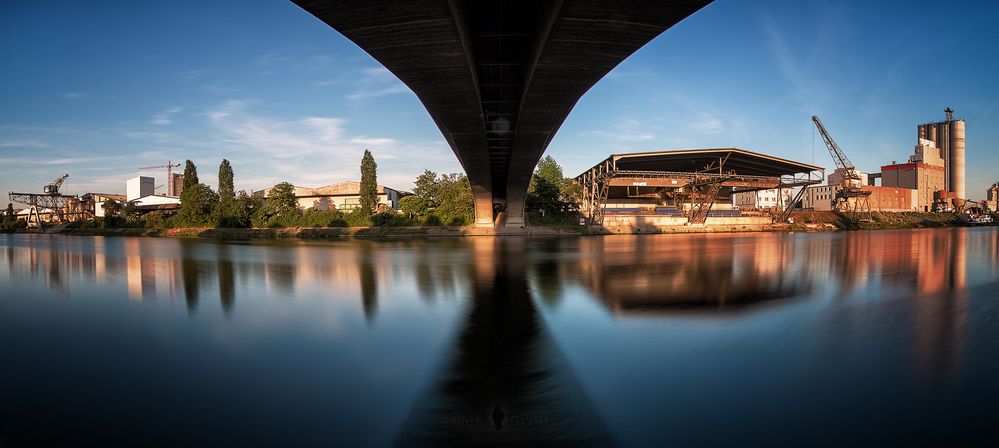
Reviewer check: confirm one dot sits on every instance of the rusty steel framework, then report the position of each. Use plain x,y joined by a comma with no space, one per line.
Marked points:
55,202
701,187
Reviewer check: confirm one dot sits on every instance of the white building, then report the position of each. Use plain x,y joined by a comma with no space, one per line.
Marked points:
157,202
139,187
344,196
761,199
156,199
93,203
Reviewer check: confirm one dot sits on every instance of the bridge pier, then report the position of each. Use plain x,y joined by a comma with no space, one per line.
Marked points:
483,207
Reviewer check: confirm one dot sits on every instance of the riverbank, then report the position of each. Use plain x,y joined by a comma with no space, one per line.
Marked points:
327,232
802,221
876,221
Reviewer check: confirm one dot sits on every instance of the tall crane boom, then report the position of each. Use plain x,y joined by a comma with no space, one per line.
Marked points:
838,156
169,167
53,188
850,194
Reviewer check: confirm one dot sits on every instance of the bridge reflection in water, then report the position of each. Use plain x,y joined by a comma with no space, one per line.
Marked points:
505,375
505,382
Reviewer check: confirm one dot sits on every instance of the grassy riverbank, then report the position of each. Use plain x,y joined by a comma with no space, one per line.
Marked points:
877,221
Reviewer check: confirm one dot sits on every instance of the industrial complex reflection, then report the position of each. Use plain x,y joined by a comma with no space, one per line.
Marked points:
627,274
633,274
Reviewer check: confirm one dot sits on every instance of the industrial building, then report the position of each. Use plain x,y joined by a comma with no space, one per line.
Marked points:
949,139
936,169
141,192
761,199
139,187
176,186
344,196
881,199
691,186
932,174
91,203
992,197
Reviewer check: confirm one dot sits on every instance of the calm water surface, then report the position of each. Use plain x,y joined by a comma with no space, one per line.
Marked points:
852,338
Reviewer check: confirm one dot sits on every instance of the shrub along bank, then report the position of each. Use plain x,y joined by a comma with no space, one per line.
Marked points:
873,220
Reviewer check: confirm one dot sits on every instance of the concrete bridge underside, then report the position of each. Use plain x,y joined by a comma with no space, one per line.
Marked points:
500,76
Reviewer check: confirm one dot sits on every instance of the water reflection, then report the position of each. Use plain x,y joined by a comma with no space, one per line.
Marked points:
506,382
635,274
628,274
369,282
227,278
483,341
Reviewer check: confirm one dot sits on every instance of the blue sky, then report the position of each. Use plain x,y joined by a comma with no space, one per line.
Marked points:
98,89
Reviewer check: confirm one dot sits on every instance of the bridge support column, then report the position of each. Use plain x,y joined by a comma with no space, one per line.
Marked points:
515,211
483,207
519,179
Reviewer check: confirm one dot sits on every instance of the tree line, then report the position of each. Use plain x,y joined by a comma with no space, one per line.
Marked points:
437,199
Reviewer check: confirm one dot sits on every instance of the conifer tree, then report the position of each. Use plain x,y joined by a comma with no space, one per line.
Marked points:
369,182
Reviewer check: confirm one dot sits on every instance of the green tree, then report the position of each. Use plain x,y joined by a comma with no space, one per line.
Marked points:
369,182
282,198
413,205
129,209
427,187
111,207
455,205
445,199
10,212
190,175
281,209
226,189
197,206
549,190
228,211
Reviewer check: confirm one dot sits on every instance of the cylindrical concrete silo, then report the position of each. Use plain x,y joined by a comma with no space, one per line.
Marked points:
957,158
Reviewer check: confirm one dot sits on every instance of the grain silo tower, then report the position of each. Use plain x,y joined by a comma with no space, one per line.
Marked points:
948,136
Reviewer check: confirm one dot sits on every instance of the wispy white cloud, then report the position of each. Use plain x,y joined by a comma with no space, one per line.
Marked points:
158,137
274,137
372,141
165,117
67,161
625,130
83,94
313,150
706,123
807,89
30,143
271,63
328,82
376,82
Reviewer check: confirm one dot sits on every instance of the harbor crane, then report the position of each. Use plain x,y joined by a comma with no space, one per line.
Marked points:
850,197
53,187
169,167
50,198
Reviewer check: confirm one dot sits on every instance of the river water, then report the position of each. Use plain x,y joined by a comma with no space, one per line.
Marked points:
865,338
